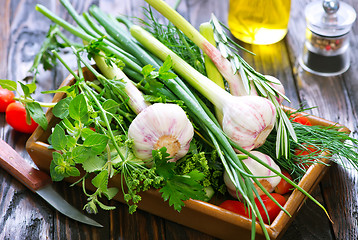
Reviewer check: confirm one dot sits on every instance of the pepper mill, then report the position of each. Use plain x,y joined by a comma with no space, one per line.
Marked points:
326,48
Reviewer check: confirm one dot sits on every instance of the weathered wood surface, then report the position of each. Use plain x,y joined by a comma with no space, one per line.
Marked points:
23,215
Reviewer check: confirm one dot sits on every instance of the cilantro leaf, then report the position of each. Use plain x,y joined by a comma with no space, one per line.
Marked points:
177,188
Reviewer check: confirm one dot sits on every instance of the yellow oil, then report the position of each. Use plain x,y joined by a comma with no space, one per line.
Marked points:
259,21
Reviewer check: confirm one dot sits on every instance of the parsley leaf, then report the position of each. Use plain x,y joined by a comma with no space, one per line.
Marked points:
177,188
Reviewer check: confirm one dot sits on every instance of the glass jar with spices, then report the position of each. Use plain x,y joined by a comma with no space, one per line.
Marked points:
325,50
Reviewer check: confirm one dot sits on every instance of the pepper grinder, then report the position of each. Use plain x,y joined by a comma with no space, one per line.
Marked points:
326,47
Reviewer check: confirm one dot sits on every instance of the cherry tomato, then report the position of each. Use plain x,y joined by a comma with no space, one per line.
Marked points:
284,187
16,118
299,118
272,209
235,206
6,97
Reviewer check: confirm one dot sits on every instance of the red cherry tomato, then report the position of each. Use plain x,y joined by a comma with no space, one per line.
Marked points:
299,118
16,118
6,97
235,206
284,187
272,209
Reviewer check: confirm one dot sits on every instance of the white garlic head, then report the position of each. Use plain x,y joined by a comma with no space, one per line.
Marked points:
161,125
257,170
248,120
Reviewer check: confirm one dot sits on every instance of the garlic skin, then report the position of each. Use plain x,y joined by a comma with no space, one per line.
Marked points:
248,120
161,125
257,170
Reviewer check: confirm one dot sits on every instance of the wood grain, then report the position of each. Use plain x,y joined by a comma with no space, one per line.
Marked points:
23,215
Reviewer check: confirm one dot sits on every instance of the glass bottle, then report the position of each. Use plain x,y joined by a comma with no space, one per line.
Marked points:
259,21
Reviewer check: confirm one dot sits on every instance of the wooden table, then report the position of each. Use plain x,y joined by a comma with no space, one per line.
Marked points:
23,215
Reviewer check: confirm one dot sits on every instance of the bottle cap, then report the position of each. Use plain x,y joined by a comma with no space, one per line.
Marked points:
329,18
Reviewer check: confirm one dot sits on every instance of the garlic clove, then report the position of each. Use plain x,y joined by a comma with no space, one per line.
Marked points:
161,125
248,120
257,170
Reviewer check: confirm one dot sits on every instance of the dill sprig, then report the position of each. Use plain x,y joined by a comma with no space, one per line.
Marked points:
175,40
314,140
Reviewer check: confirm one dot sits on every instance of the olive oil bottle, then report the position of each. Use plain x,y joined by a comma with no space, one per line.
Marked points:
259,21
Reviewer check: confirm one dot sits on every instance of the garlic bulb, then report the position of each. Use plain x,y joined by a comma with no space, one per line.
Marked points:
161,125
257,170
248,120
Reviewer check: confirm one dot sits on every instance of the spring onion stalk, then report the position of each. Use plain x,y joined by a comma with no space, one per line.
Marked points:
84,36
212,72
136,99
92,29
247,120
222,64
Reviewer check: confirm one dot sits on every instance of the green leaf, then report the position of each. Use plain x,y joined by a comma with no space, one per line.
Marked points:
71,141
32,87
25,89
101,180
73,172
58,139
93,163
167,65
167,75
183,187
111,192
56,159
177,188
97,142
162,166
147,70
78,109
63,89
85,132
8,84
66,124
164,70
80,154
61,109
37,114
110,106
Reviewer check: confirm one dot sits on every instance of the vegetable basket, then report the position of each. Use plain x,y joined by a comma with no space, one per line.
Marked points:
206,217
